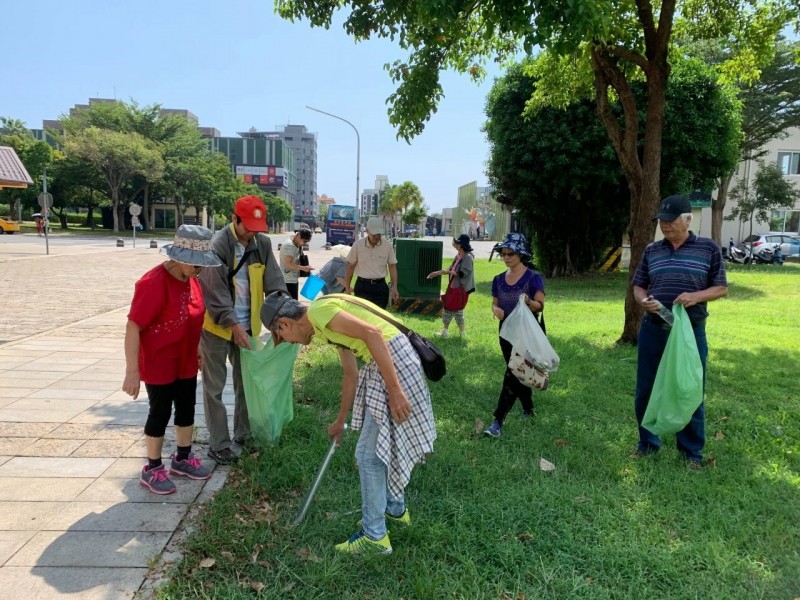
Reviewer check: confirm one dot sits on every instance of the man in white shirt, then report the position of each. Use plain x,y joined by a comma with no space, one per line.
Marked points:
369,259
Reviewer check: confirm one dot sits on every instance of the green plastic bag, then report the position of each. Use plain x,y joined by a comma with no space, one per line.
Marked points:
678,388
267,376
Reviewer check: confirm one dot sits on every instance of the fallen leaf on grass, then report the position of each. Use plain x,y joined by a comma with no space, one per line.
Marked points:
580,499
720,435
239,518
560,442
265,563
525,536
330,515
207,563
711,462
308,555
254,555
546,465
478,426
288,587
257,586
226,554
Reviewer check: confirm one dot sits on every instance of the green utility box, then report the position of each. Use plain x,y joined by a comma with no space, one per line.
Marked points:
415,260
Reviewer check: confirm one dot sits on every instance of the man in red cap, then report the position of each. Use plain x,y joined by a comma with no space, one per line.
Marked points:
233,298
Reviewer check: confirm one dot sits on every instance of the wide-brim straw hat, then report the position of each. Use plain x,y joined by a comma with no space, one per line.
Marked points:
342,249
192,246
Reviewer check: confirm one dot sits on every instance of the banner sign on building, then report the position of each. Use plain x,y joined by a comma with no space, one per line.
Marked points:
261,176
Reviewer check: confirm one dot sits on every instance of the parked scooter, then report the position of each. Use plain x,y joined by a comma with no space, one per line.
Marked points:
738,255
769,255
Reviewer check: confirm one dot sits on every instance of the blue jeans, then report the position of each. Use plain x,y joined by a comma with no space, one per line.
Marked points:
651,343
375,498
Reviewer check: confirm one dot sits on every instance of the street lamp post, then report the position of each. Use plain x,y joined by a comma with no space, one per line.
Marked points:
358,158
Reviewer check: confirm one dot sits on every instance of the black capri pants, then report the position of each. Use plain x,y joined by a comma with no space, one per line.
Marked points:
182,393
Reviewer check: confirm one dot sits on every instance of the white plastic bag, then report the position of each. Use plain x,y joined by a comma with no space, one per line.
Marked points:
532,356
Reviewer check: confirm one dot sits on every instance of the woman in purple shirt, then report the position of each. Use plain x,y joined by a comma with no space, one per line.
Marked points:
519,280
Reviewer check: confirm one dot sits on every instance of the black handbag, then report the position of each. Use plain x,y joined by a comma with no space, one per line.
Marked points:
303,262
433,362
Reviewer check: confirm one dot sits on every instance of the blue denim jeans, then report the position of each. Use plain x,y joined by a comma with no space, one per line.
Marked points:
651,343
375,498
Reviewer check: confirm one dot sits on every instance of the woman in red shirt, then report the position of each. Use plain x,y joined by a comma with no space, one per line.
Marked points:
161,349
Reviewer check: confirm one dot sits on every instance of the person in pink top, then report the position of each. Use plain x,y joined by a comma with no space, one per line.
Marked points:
161,349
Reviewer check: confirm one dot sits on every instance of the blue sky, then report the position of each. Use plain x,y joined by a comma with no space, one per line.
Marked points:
235,64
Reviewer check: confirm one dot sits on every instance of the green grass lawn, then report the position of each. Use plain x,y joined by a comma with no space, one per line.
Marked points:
488,523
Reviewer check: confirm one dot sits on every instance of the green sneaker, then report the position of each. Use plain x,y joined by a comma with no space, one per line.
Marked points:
404,519
361,544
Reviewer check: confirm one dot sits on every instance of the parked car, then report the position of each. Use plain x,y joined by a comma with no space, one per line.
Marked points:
789,242
317,229
8,226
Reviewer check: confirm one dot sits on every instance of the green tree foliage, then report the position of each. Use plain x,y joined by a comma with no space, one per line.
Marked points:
770,106
769,191
615,42
415,214
35,155
118,156
559,168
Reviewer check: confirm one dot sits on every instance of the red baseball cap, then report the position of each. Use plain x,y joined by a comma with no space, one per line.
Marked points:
252,212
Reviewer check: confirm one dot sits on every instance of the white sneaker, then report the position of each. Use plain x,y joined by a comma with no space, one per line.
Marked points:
442,334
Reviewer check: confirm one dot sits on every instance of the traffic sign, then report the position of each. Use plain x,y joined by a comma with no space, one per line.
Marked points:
45,200
135,210
134,221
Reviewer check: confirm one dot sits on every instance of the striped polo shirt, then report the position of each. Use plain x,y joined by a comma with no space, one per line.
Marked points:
667,272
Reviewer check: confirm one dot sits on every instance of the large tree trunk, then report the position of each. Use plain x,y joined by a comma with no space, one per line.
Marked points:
718,209
643,177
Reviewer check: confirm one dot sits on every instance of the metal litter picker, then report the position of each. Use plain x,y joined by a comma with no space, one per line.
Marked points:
317,479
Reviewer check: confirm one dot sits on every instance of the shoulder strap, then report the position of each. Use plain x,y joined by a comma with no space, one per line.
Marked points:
232,274
366,305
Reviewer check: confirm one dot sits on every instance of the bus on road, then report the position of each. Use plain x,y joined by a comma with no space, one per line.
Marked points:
340,225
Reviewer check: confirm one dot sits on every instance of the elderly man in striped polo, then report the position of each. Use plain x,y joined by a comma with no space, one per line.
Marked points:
683,269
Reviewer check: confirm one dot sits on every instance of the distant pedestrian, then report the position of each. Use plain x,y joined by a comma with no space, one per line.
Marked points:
520,279
460,275
39,226
369,259
291,251
161,348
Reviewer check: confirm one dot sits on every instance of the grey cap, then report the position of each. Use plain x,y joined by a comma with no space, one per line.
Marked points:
272,305
192,246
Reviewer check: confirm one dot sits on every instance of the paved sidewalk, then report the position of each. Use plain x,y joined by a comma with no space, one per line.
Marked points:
74,523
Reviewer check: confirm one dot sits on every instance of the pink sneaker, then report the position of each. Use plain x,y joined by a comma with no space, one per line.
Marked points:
157,481
191,468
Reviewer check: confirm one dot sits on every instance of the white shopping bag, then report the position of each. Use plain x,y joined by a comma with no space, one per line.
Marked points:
532,356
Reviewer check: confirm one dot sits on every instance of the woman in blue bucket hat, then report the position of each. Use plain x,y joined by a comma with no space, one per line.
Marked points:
519,279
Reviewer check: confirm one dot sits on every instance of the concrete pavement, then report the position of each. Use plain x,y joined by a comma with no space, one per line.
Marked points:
74,523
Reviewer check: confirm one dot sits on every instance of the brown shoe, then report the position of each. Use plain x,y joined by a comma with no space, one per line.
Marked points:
694,465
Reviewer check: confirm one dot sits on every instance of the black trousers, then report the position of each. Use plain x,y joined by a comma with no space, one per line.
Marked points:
292,289
181,392
512,389
374,290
